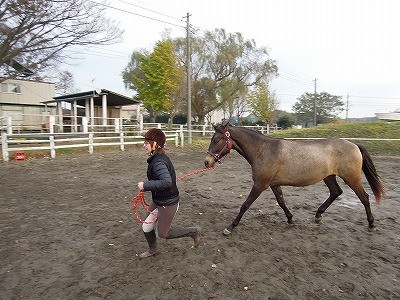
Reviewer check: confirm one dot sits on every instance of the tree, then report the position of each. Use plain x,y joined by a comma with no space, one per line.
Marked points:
224,65
157,78
263,103
285,121
36,34
65,83
327,107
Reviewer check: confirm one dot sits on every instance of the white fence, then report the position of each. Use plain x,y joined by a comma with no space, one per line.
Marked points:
53,141
85,136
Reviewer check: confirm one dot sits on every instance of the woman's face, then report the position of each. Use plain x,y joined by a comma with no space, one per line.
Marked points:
148,146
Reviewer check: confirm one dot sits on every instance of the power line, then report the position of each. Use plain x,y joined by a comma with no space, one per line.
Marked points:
294,80
156,12
376,97
136,14
297,73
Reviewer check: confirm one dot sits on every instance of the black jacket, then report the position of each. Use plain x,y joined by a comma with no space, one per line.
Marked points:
161,180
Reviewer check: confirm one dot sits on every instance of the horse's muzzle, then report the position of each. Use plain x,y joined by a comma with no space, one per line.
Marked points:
209,161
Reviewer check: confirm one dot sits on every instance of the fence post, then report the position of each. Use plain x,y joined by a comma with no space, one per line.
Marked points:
159,125
116,125
141,122
52,122
176,139
121,140
84,124
90,143
182,135
4,146
9,125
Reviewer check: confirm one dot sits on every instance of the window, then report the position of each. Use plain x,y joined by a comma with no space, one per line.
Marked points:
11,88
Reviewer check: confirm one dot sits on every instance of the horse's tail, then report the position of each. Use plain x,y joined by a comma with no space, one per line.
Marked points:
371,174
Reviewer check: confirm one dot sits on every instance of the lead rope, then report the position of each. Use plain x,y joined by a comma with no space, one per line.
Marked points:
139,198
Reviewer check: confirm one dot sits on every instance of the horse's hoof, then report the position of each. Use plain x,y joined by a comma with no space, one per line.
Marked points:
318,219
372,229
226,232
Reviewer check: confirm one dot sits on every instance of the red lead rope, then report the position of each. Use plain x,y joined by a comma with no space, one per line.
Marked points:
139,198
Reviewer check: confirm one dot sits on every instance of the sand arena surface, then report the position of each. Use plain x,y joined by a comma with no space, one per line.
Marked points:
67,232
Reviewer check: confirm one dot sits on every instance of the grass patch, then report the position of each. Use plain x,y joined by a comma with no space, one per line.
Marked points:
372,130
369,130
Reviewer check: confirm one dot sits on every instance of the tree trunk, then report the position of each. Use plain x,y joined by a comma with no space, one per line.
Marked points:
171,120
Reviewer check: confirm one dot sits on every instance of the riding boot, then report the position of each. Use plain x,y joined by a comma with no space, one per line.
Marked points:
194,232
152,241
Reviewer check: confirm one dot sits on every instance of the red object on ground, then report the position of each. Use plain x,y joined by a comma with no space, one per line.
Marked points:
19,156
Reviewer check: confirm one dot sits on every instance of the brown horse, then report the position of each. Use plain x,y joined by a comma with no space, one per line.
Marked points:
278,162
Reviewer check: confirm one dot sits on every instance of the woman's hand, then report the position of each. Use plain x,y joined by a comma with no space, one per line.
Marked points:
140,185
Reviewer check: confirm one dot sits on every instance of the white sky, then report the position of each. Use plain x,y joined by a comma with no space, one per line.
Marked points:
351,47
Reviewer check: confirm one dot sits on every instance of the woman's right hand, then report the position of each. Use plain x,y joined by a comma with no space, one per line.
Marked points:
140,185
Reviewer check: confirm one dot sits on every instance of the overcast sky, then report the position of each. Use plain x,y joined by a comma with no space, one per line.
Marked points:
351,47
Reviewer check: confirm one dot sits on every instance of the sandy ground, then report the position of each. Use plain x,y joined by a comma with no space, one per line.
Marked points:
67,232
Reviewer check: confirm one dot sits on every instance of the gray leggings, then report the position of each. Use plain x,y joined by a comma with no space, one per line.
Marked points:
165,216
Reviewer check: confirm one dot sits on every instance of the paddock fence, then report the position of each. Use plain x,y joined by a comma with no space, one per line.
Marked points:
48,135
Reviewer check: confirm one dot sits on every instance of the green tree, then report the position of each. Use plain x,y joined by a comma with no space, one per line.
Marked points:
157,78
263,103
285,121
327,107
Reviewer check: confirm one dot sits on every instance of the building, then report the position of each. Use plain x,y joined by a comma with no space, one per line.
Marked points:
29,105
22,100
98,109
389,116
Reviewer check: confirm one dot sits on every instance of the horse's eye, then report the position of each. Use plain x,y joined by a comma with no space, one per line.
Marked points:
216,140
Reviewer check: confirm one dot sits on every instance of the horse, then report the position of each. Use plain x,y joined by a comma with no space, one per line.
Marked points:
277,162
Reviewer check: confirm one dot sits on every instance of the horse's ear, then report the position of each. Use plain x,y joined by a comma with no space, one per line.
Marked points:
214,126
226,124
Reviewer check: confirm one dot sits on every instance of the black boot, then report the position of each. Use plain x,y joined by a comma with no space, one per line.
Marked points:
194,232
152,241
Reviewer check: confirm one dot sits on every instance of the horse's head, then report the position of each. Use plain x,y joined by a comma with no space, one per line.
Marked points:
220,145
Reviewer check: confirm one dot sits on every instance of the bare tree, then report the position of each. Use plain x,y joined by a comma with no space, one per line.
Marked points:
224,66
65,83
35,34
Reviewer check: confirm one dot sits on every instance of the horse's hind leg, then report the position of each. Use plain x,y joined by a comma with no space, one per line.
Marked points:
277,190
364,198
254,193
334,192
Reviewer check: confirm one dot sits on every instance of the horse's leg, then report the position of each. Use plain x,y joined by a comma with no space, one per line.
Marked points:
334,192
277,190
364,198
254,193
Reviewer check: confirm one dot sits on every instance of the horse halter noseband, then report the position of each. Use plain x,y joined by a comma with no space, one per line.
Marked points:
228,146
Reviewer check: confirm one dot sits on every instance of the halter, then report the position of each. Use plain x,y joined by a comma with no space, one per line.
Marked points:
228,146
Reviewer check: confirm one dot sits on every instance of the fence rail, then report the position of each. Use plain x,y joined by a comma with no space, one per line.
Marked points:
51,135
53,141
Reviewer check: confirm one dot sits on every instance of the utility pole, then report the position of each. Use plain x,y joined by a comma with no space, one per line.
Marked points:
188,80
315,102
347,107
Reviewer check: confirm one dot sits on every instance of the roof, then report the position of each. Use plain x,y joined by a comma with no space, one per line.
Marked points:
113,99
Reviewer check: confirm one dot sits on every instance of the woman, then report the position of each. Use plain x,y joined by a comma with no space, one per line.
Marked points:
165,196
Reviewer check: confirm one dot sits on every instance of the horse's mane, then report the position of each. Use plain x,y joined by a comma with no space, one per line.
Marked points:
254,132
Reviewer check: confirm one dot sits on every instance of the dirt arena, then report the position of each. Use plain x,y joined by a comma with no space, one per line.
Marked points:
67,232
